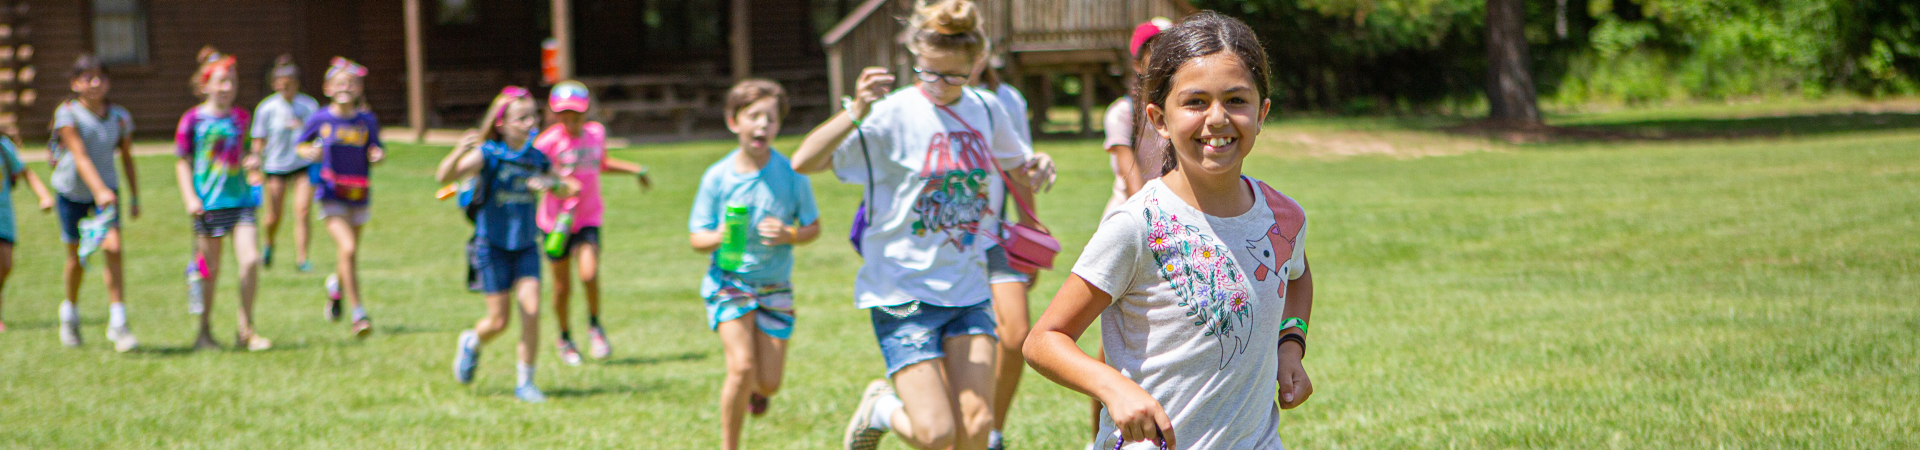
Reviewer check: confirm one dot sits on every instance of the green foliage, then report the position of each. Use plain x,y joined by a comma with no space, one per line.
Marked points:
1327,53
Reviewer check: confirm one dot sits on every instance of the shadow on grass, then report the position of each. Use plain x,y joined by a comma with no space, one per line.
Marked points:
657,359
414,329
160,351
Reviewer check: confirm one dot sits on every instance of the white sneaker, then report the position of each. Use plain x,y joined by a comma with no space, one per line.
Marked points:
860,433
70,332
122,339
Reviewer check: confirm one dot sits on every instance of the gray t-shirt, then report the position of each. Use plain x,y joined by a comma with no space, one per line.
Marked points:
101,135
279,122
1197,303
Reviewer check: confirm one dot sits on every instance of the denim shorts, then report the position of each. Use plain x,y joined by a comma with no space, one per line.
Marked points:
70,214
772,304
494,269
999,270
917,331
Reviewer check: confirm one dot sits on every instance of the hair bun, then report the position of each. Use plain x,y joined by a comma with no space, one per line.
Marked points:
951,17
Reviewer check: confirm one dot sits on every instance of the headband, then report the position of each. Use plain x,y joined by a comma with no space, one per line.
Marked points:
341,65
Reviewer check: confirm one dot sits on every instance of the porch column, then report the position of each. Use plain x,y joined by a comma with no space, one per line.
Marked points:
742,40
563,35
416,74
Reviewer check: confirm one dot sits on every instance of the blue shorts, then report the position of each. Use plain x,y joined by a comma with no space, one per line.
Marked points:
70,214
916,331
493,270
773,304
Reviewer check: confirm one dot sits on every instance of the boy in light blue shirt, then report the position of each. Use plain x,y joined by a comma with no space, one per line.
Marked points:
751,306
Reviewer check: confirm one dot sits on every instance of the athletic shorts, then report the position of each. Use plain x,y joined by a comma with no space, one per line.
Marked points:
70,214
288,175
916,331
356,215
221,222
772,304
494,270
586,235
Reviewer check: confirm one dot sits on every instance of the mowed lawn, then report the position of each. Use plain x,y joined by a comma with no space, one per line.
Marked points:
1756,293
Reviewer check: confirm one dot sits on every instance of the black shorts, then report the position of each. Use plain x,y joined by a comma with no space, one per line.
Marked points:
221,222
288,175
586,235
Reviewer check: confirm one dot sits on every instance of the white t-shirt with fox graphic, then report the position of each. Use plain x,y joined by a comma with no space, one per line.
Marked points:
1197,304
934,195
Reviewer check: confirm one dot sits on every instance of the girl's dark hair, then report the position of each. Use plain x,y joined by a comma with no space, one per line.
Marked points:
86,64
1200,35
946,25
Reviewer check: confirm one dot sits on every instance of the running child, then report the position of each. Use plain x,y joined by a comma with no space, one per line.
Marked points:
276,122
931,158
1201,280
748,287
1121,132
578,150
12,173
504,251
345,138
89,131
212,174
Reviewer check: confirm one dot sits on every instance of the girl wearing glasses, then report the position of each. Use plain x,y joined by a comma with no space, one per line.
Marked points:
930,157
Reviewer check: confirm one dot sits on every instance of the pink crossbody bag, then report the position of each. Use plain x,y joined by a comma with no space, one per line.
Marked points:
1029,247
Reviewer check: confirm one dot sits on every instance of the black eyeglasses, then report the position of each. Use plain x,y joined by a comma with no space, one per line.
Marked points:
931,76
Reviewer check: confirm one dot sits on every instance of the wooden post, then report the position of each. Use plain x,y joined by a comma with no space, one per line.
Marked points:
416,73
742,40
836,77
563,35
1086,100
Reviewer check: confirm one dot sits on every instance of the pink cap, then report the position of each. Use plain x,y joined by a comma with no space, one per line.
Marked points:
568,96
1146,31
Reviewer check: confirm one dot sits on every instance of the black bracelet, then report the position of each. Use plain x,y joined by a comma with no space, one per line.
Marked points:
1295,337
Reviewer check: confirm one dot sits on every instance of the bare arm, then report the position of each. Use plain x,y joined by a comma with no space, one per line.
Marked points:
1295,386
705,242
1051,351
132,176
615,165
39,189
183,174
462,162
1129,168
816,151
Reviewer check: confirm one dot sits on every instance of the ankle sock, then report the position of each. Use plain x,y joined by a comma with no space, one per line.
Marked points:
68,312
993,439
523,374
883,412
359,313
116,315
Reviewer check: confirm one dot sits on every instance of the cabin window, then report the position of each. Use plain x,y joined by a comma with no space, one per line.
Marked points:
686,25
119,32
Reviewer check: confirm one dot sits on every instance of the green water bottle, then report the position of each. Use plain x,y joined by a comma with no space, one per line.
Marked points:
557,240
733,244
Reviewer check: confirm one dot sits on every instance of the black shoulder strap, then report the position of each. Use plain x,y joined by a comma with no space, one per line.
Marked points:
482,186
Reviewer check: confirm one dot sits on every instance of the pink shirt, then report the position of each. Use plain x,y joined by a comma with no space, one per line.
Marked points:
579,157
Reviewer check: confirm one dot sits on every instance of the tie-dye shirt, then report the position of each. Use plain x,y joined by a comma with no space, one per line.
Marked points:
215,145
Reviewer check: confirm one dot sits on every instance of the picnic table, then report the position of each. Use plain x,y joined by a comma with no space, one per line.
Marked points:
681,97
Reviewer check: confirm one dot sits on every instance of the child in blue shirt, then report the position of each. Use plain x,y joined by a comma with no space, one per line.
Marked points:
13,171
751,306
505,250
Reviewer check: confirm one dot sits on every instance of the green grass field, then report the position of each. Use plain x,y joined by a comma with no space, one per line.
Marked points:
1755,293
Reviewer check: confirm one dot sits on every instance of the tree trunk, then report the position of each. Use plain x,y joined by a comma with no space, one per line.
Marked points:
1510,96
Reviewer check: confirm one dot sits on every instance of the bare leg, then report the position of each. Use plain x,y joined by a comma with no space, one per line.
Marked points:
1011,312
303,218
276,193
737,340
209,248
6,268
528,290
246,252
73,273
588,255
110,249
970,377
562,291
346,238
772,355
926,418
499,315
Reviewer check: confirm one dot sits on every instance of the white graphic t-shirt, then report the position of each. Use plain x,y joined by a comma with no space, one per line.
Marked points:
1197,303
932,188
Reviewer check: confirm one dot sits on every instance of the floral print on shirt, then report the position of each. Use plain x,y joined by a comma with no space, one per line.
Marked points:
1203,273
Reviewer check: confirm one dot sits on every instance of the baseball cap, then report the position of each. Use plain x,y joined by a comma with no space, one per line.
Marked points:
1146,31
568,96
